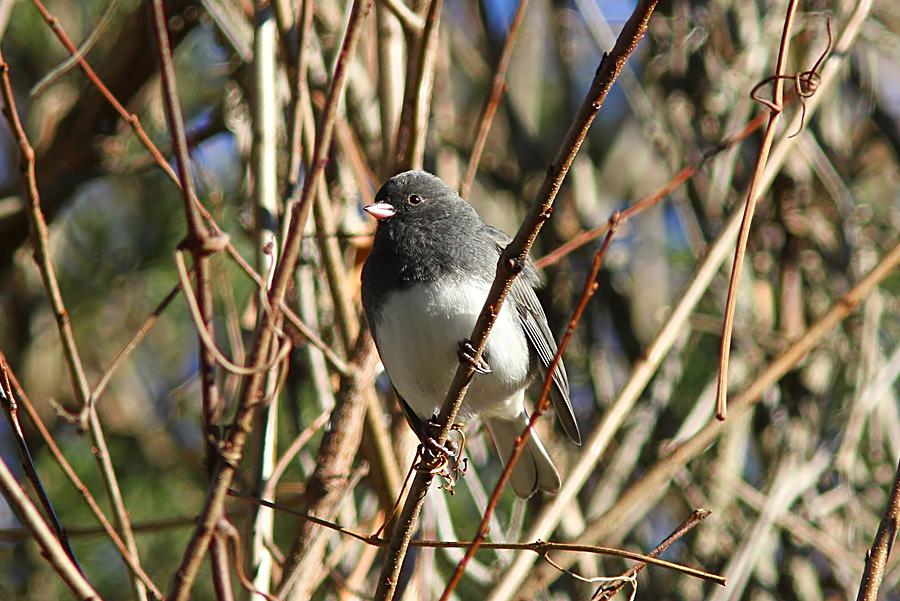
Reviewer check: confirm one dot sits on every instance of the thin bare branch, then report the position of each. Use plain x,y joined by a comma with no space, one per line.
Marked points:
749,208
50,546
542,404
512,261
539,547
606,592
880,552
492,102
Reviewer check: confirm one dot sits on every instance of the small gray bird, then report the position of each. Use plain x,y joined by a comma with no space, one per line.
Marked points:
423,286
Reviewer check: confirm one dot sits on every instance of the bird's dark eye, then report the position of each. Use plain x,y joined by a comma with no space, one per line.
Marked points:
414,199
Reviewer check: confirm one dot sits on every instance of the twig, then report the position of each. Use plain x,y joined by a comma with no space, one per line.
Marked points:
232,535
541,405
51,548
632,580
232,449
878,554
682,176
148,527
133,343
410,146
11,408
512,261
492,102
86,46
607,592
749,208
539,547
41,243
660,474
67,469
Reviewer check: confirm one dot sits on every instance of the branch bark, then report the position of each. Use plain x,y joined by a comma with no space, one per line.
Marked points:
880,552
512,261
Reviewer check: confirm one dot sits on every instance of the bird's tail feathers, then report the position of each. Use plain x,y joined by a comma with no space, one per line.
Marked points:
534,470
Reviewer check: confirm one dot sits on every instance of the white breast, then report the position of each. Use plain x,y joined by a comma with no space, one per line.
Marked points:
418,331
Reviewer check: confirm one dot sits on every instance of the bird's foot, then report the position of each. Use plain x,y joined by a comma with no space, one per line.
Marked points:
466,353
445,461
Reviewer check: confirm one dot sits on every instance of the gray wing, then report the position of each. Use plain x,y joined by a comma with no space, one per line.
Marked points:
534,323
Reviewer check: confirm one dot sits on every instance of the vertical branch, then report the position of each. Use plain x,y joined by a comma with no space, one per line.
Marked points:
40,239
249,401
877,557
390,82
197,239
750,207
410,147
512,261
201,245
266,198
492,102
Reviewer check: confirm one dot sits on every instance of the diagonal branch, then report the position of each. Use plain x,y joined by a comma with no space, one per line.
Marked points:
541,405
608,591
512,261
878,555
50,546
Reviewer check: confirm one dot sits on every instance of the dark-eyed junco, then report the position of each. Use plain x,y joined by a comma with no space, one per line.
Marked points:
423,286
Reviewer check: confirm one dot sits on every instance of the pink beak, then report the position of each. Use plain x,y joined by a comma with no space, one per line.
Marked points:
380,210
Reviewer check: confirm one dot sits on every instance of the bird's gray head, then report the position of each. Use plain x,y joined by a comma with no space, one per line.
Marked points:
417,197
